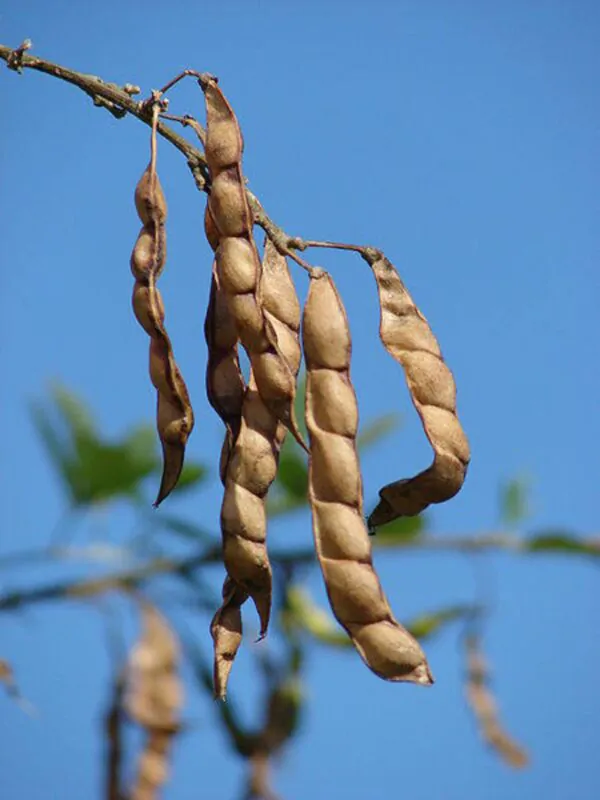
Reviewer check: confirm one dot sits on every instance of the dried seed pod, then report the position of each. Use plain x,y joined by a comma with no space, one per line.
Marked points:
175,418
229,222
225,383
250,470
335,493
481,700
280,304
407,337
226,631
154,698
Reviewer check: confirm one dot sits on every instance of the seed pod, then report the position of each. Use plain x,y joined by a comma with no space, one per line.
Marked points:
229,229
226,631
175,418
250,470
154,699
335,494
407,337
280,305
225,383
226,390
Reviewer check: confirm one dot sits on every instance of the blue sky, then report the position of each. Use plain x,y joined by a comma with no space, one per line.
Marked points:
461,138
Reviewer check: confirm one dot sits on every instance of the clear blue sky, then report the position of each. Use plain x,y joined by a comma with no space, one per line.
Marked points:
462,138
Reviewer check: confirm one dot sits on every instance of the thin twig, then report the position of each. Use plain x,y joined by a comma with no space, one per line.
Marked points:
482,703
115,99
118,100
129,579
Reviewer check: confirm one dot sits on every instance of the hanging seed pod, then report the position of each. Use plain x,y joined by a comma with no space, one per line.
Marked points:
229,222
335,493
175,418
226,630
225,383
154,699
250,471
407,337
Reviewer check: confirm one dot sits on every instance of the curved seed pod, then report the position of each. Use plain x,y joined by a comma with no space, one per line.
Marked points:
407,337
250,471
225,385
280,304
226,631
229,221
335,494
175,418
154,699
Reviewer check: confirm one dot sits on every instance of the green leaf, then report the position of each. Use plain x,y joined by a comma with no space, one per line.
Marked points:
57,448
514,501
299,406
292,475
398,531
560,541
302,612
376,430
94,471
141,449
108,471
426,625
192,474
74,412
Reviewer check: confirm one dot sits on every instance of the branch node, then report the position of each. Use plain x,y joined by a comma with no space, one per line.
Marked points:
131,89
15,59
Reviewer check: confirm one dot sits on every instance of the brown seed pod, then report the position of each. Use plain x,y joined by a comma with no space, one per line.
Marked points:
481,701
280,304
229,223
249,471
225,384
226,631
175,418
154,698
407,337
335,494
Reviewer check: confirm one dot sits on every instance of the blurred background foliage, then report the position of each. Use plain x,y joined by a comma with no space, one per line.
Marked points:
96,472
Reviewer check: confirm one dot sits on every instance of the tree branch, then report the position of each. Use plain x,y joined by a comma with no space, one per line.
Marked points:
132,578
115,99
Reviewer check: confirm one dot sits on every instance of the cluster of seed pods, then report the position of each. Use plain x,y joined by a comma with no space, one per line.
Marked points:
253,304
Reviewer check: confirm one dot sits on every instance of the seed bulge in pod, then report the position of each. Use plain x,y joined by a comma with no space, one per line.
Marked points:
237,265
227,204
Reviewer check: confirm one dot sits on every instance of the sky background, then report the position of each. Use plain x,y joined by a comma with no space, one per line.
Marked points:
463,139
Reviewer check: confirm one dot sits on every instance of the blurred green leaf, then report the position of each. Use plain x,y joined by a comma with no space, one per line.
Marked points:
192,474
291,484
376,430
514,501
277,506
74,412
292,475
57,449
93,470
302,612
107,471
399,530
560,541
426,625
141,449
299,406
